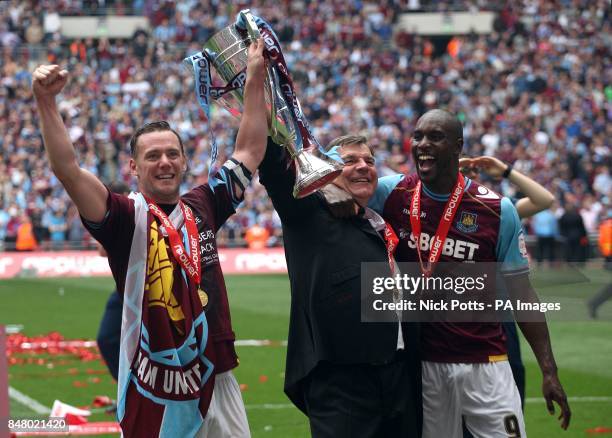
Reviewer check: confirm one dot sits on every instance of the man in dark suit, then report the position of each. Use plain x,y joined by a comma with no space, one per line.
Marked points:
351,378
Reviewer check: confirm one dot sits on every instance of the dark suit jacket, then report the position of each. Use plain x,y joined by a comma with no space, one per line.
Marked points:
324,256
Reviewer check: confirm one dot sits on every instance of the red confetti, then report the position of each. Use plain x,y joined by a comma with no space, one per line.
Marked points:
599,430
244,387
79,384
52,344
101,401
263,379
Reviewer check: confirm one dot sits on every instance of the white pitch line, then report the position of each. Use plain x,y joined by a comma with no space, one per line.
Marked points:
585,399
272,406
29,402
43,410
259,343
40,409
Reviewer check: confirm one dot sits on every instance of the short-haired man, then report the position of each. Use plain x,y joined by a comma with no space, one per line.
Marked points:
352,379
176,339
466,375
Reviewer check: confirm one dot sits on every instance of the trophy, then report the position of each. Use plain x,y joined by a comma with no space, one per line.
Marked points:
227,52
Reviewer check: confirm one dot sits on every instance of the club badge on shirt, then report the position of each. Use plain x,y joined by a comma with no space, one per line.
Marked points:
467,222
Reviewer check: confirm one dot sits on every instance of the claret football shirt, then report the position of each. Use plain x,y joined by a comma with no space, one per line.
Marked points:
486,228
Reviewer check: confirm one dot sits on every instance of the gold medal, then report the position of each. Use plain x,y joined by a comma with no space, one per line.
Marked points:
203,297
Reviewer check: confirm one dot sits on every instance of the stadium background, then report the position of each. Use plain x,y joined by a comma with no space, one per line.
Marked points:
529,79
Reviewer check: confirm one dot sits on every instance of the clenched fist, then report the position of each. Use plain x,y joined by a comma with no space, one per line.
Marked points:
48,81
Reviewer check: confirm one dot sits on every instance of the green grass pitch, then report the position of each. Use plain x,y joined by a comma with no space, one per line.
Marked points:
260,308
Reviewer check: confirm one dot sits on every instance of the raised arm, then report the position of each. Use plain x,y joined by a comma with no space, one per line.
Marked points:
253,132
86,191
536,199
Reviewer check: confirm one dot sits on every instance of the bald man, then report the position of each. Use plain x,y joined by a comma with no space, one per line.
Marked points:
466,375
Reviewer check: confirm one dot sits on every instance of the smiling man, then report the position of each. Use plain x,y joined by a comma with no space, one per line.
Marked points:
359,177
466,375
437,166
351,379
177,343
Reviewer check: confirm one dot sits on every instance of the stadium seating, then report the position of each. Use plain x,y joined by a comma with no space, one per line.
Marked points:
532,92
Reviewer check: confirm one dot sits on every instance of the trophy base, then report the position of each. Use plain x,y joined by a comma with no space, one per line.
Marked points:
314,182
312,173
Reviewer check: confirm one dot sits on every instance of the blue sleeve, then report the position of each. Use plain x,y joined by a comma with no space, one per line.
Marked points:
386,184
511,251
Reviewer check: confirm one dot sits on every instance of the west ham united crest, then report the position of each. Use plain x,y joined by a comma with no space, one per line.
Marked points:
467,222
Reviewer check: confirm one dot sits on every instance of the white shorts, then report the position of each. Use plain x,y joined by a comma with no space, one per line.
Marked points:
484,395
226,416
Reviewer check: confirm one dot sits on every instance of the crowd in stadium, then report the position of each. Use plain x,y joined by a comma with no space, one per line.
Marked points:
536,92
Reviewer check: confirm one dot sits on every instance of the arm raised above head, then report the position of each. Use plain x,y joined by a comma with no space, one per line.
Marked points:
253,132
536,199
85,189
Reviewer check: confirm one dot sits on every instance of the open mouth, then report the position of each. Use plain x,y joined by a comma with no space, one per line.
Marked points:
165,177
426,162
360,180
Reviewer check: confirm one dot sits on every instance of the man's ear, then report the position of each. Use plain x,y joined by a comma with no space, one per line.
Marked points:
459,146
185,166
133,169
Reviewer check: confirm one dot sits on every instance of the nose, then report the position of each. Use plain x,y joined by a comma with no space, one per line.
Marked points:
361,167
422,142
423,147
361,164
164,160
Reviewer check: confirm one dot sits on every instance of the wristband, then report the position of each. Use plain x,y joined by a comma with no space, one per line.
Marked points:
238,172
506,173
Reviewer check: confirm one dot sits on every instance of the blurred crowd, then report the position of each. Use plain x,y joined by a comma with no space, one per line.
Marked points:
536,92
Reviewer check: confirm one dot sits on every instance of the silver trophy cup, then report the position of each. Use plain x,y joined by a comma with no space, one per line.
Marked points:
227,52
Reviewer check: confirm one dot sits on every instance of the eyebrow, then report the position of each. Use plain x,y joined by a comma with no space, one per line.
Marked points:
434,129
429,132
352,155
163,149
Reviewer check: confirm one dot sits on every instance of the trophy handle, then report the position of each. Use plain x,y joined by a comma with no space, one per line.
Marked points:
255,34
275,126
251,25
